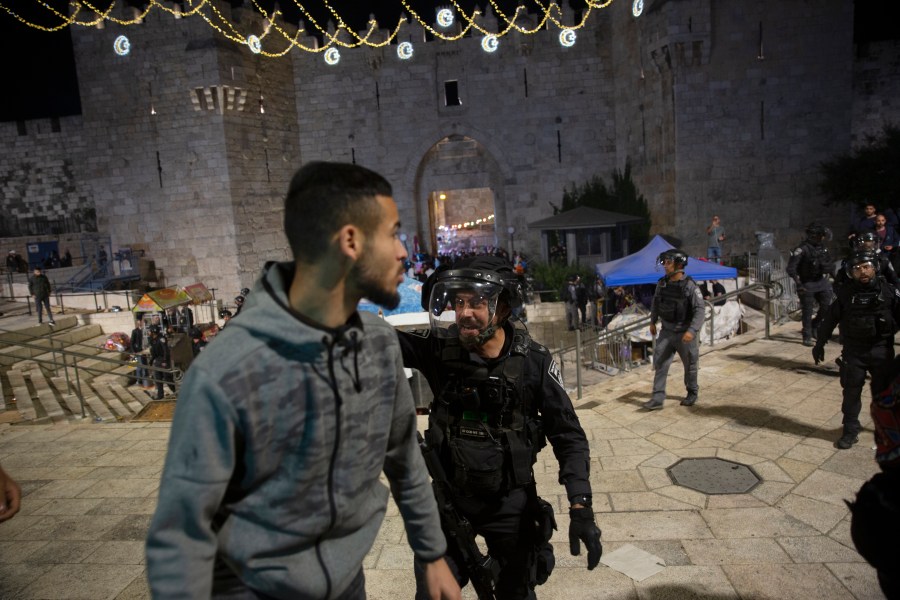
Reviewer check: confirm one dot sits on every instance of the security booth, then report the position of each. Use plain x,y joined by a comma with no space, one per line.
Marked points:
156,304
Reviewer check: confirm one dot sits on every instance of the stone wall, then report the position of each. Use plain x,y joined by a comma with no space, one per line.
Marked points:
185,147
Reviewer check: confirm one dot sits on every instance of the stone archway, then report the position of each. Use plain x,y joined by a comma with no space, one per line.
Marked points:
459,197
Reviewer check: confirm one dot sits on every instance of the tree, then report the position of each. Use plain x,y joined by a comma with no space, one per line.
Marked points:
868,174
623,197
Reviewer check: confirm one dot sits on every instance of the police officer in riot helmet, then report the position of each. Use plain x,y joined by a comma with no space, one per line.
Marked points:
160,357
498,396
809,266
678,305
868,241
867,309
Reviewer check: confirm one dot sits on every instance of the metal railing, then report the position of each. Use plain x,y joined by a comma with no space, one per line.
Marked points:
610,350
71,364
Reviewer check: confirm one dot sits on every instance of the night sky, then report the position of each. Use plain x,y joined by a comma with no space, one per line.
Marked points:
39,70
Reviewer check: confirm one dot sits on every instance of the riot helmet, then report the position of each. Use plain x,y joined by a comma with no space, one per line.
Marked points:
245,292
678,257
225,313
817,233
462,302
866,241
239,300
862,266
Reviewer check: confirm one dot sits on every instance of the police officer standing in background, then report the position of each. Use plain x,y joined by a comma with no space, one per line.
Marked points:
497,395
161,358
868,312
808,266
678,303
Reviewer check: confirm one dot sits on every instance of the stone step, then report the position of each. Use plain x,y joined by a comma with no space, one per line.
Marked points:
46,395
22,394
131,401
112,400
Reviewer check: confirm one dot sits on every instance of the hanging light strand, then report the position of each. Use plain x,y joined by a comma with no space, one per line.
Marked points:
206,10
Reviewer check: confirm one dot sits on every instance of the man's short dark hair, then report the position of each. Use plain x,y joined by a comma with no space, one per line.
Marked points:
323,197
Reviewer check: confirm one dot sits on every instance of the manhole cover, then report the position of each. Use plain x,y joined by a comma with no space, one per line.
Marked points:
713,475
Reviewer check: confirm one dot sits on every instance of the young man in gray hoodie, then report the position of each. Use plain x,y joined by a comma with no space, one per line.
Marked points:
286,421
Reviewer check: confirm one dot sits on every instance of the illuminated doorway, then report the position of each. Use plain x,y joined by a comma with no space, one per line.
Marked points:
462,220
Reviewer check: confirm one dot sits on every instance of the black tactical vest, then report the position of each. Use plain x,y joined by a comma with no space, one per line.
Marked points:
867,317
813,263
486,426
673,304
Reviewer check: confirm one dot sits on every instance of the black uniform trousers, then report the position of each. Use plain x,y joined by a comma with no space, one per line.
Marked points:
815,291
877,360
507,527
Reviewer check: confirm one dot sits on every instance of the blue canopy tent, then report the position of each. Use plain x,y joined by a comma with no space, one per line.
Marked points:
410,299
640,267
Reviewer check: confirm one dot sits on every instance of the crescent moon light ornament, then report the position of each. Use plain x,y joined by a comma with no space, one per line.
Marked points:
490,43
567,38
445,17
332,56
254,44
405,51
122,46
637,8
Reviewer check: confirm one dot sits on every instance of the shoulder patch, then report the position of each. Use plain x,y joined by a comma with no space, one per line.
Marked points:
422,333
555,374
797,251
538,347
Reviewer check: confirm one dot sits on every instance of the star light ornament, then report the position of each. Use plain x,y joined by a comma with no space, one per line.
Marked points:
405,51
490,43
332,56
122,46
637,8
567,38
254,44
445,17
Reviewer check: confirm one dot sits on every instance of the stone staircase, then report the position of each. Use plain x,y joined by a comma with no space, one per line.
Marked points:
36,387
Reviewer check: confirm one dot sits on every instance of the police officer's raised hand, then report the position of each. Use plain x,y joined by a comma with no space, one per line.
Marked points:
583,528
818,353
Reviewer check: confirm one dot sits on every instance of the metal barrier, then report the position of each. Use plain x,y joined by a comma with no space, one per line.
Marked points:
786,301
610,349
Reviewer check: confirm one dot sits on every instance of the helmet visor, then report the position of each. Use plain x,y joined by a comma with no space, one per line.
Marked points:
462,309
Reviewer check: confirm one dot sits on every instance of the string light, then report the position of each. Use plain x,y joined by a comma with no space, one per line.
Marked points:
85,14
468,224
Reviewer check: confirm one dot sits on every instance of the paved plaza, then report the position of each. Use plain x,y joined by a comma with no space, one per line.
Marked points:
90,490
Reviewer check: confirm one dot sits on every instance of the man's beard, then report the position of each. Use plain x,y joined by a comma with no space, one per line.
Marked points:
371,286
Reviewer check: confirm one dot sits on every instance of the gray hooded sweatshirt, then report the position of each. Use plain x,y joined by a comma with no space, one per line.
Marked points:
282,430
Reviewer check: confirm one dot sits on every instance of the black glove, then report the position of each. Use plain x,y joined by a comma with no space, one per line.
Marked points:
818,353
582,527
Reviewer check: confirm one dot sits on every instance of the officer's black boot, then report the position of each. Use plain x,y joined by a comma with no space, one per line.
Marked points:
849,438
690,399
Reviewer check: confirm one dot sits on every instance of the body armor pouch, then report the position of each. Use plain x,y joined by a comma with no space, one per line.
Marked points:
545,525
477,460
865,320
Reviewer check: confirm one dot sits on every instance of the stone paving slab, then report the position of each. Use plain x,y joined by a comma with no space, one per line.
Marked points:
90,490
